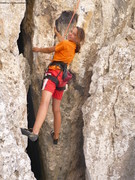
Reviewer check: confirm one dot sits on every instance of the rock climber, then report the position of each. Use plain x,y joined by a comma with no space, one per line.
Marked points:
54,80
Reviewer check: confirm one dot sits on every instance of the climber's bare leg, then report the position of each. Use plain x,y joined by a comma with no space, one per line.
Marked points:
42,111
57,117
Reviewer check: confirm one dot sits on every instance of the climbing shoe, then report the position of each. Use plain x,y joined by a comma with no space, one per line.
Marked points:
55,141
29,134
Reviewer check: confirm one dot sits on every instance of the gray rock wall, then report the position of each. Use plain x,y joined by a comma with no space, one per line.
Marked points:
103,69
109,113
14,80
97,131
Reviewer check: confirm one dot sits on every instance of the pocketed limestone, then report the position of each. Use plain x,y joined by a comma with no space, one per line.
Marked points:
14,71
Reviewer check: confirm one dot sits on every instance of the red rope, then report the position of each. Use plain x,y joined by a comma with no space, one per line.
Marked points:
72,18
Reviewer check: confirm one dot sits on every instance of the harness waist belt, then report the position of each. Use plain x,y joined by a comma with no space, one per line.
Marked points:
61,64
63,67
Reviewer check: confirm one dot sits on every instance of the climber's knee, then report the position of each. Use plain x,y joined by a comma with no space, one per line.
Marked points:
56,106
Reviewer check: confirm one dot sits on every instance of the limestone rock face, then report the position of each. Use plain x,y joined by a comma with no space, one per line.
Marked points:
104,86
98,129
14,75
109,112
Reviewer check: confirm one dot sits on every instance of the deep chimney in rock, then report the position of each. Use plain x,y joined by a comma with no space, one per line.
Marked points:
24,43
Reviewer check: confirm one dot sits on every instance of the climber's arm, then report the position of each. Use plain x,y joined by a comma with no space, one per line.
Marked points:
44,50
60,38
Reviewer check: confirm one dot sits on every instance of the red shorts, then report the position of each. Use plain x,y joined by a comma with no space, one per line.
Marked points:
50,86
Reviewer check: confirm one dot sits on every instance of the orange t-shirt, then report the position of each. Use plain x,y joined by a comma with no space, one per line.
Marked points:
64,51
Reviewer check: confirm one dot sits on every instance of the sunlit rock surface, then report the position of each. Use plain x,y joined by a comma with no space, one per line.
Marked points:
98,129
104,86
14,80
109,112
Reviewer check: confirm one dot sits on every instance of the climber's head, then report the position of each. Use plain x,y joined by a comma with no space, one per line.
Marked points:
72,36
77,35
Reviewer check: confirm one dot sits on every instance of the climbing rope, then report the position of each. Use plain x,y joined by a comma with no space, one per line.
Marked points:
72,18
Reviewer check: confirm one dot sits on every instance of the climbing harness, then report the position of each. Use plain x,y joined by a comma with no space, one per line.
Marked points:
67,76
